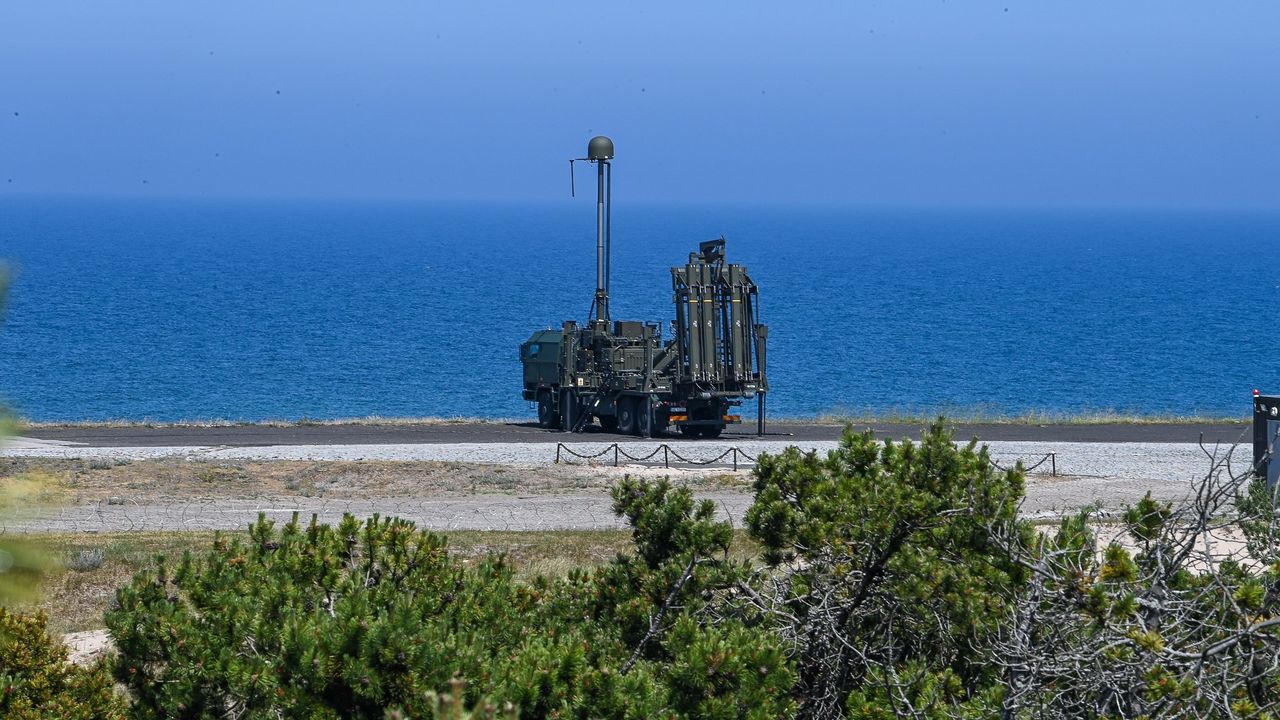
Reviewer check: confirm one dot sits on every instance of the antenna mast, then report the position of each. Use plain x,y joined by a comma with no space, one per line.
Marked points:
600,153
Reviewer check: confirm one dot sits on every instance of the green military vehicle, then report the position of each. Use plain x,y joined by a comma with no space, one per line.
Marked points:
630,379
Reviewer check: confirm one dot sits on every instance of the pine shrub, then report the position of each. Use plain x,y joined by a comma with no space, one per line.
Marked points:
350,621
37,682
883,573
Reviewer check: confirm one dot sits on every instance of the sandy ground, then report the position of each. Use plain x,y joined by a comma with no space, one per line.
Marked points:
83,648
492,486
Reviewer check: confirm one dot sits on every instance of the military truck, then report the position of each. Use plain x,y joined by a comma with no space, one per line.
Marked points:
626,375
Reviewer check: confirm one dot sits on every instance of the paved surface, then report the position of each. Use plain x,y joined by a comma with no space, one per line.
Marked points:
399,434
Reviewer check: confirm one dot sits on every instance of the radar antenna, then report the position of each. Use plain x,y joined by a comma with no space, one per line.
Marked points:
600,153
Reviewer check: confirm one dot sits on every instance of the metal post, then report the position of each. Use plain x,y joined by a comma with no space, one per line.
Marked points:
1270,454
558,446
666,462
615,454
1053,464
1259,435
602,294
735,459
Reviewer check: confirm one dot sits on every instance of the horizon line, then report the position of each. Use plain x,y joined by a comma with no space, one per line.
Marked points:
870,206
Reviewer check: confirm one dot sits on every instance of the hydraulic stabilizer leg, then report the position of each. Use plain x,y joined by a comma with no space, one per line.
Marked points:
759,414
568,411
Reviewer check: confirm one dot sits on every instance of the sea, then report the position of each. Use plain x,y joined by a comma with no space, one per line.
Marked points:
196,310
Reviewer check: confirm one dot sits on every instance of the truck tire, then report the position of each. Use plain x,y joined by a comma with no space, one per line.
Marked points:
547,415
644,417
627,416
712,432
609,423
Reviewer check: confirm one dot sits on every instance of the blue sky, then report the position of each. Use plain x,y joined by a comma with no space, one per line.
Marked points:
907,103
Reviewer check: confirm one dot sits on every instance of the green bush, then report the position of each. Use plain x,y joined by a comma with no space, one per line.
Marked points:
882,570
348,621
309,622
37,682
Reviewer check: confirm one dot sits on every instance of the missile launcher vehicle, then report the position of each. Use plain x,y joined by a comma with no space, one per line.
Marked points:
626,375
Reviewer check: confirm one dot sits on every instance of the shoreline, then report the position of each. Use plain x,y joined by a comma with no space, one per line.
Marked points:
85,438
1041,419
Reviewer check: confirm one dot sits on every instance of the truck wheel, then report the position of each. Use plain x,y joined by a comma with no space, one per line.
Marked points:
644,417
609,422
547,416
626,416
712,432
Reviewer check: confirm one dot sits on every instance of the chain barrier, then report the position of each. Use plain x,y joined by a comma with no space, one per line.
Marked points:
1051,458
737,456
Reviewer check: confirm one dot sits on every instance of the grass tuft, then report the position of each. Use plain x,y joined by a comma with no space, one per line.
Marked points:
86,560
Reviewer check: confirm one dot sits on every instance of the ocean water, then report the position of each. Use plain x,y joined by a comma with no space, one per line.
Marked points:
169,310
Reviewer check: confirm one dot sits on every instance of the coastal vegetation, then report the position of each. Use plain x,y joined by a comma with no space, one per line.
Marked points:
74,597
882,579
37,682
